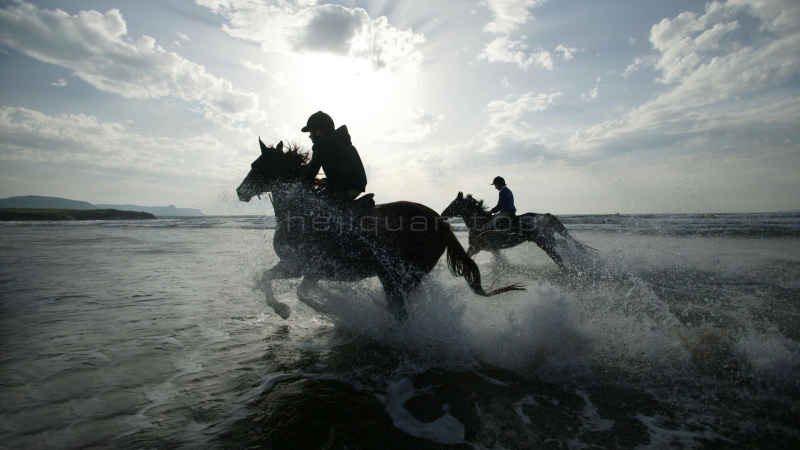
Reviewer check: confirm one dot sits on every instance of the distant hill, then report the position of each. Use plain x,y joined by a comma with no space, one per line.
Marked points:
39,202
162,211
49,214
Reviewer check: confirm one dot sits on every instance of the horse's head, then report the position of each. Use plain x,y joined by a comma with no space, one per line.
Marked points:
464,206
274,166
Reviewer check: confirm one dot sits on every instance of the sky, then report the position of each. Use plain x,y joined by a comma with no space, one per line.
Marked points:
584,107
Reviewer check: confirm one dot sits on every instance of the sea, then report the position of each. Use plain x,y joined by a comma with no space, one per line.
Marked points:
678,331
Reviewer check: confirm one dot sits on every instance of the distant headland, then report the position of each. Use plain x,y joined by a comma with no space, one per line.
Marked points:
40,203
25,214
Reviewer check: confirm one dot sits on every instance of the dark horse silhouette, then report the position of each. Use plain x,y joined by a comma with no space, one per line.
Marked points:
529,227
398,242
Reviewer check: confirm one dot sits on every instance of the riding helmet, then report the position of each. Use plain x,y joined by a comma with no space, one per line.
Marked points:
499,180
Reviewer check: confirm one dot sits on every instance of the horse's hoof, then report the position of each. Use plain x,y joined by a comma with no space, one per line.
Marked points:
282,309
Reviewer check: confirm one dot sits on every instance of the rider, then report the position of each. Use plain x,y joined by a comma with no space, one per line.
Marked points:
505,204
334,153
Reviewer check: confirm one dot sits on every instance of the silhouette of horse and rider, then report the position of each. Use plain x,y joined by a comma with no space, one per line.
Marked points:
325,231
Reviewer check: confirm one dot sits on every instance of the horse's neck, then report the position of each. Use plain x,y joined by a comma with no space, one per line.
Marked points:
475,219
291,200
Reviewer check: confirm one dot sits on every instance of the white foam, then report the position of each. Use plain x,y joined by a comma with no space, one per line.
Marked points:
549,328
590,418
527,400
772,357
444,430
663,437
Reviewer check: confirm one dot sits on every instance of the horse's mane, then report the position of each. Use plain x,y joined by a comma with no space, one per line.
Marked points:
478,203
294,154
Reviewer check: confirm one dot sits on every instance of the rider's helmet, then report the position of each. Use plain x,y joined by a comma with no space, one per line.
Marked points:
499,180
319,120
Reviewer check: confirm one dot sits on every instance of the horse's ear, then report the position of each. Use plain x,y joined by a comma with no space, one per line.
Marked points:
279,147
460,195
264,148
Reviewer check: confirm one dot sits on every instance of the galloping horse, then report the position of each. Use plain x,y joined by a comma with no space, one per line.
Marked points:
529,227
398,242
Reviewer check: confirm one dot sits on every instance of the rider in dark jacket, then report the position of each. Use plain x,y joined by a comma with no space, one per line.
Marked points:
505,205
333,152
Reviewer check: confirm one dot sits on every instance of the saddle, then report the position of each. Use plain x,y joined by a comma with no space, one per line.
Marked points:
363,204
515,224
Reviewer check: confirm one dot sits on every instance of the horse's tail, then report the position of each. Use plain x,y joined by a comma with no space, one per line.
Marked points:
461,265
562,230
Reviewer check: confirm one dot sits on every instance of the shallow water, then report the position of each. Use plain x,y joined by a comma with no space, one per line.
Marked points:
682,332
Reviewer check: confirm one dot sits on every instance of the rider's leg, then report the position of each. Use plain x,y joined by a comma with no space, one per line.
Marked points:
500,221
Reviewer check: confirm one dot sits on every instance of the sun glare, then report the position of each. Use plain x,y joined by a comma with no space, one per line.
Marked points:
351,90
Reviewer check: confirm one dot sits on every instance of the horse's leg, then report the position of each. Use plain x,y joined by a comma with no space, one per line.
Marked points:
549,248
306,285
473,250
547,243
499,258
395,300
398,283
265,284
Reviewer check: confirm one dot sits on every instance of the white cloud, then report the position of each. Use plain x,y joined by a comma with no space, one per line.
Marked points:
639,63
252,66
182,36
568,53
634,67
509,14
61,82
97,48
505,50
506,118
302,26
631,41
592,95
84,141
712,68
422,125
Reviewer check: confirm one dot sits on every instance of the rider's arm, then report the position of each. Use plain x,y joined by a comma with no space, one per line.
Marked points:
312,169
499,204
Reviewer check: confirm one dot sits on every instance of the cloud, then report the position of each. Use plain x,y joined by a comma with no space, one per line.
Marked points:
303,26
80,141
422,125
506,122
568,53
182,36
722,82
252,66
60,83
631,41
505,50
592,95
509,14
97,48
